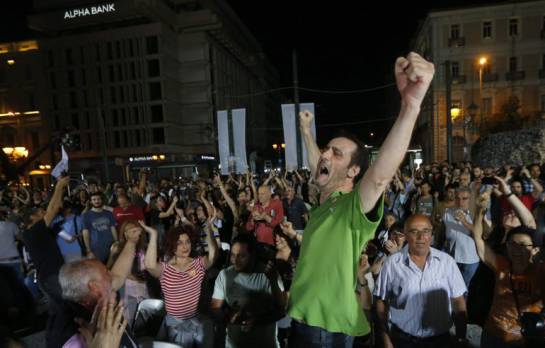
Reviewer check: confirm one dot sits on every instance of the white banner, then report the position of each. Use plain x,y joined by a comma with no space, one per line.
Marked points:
290,136
239,139
290,133
223,141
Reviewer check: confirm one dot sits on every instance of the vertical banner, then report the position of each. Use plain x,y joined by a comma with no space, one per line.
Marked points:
239,139
291,132
223,141
290,136
309,107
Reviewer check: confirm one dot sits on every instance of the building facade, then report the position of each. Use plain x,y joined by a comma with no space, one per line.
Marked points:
496,56
135,78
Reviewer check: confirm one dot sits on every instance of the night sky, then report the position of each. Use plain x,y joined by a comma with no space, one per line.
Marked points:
348,45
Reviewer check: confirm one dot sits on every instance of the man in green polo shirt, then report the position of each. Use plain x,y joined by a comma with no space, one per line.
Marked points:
323,301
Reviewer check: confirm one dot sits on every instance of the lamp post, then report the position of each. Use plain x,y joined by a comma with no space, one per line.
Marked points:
482,63
472,112
448,82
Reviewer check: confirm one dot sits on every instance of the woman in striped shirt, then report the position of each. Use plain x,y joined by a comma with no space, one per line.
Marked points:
181,279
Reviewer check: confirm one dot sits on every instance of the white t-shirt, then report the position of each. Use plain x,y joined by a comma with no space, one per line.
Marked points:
246,290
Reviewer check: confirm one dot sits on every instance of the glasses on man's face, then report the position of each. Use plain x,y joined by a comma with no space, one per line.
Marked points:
520,246
463,198
425,232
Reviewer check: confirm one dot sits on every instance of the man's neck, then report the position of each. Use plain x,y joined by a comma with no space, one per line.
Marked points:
325,193
97,210
419,258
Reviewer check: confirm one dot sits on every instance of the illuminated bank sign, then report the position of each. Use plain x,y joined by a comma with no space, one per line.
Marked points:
89,11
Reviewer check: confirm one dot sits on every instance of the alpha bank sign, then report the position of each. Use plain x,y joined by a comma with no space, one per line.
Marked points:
89,11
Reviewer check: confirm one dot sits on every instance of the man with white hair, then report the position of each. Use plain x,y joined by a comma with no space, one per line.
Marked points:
73,289
266,215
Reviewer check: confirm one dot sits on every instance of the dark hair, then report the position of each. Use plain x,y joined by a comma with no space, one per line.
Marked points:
530,232
172,236
360,156
396,227
249,240
98,193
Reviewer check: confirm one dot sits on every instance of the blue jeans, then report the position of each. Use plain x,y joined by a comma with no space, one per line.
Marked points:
315,337
468,271
193,332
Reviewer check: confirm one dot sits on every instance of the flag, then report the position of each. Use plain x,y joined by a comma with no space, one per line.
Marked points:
62,166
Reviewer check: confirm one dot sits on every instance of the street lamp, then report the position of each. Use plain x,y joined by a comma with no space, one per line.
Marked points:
15,153
455,112
482,63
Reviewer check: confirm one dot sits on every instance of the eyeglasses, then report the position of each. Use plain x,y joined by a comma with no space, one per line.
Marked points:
520,246
426,232
462,198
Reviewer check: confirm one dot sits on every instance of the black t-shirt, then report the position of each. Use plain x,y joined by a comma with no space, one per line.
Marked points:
42,245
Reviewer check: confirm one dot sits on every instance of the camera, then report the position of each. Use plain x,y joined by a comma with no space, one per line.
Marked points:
488,181
533,327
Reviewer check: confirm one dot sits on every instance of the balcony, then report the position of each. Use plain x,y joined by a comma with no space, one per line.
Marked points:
515,75
490,77
542,74
456,42
458,79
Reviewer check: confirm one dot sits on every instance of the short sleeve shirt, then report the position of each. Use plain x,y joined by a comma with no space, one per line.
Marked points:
322,293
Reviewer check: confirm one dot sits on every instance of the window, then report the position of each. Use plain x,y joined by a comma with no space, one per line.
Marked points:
111,73
99,74
83,77
73,100
75,120
112,95
155,91
133,70
542,103
131,49
71,78
115,118
512,64
153,68
97,52
82,54
55,102
69,59
87,123
35,138
28,72
121,95
513,27
52,80
57,122
156,113
455,69
455,31
139,140
117,141
50,60
158,135
124,139
118,49
152,45
134,94
31,101
123,117
543,62
487,30
487,106
85,99
119,73
109,49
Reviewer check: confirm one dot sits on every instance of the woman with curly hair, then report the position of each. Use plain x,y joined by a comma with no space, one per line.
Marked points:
181,278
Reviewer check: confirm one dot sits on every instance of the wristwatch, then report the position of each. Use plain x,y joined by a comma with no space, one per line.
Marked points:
509,194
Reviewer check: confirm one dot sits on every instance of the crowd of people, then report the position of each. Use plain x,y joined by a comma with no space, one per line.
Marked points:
343,254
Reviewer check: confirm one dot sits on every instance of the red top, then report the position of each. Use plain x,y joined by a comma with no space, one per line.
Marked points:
182,289
526,199
131,213
264,230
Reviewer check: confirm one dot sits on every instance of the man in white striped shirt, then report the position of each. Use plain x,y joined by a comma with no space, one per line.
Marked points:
417,290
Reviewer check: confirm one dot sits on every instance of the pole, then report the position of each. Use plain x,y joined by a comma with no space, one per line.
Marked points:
449,119
296,105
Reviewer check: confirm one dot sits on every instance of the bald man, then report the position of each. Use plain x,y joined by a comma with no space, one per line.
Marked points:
265,215
417,291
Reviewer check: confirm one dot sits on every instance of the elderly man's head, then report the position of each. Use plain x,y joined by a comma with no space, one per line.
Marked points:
418,231
264,194
85,282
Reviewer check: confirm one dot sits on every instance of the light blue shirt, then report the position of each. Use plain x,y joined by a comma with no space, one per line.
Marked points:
460,243
420,301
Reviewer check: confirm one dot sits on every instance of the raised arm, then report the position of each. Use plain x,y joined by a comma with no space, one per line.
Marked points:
123,265
150,259
56,200
228,199
210,240
413,77
524,214
313,151
483,250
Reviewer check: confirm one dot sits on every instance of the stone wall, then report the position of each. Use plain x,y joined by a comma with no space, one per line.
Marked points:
517,148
